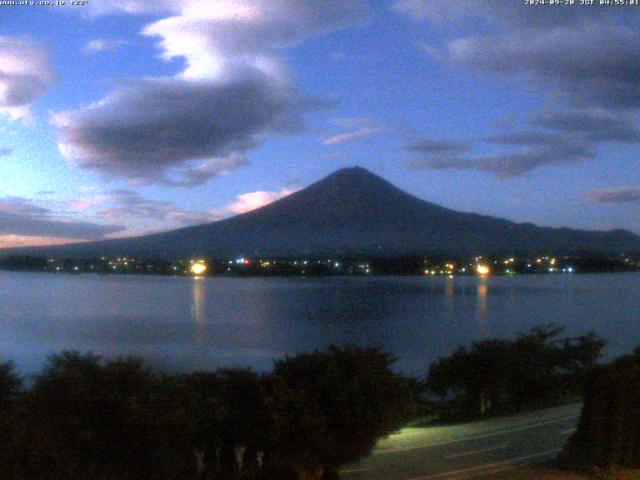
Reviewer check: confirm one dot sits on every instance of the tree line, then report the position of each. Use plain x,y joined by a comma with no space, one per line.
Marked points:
89,418
85,417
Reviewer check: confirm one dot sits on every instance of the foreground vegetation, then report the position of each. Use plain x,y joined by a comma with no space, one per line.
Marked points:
86,418
498,376
539,368
608,433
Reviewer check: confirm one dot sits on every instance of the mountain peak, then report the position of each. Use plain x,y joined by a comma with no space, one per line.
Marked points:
351,211
355,170
354,173
357,178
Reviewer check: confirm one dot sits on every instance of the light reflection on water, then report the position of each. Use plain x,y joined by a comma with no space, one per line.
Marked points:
198,310
204,323
481,308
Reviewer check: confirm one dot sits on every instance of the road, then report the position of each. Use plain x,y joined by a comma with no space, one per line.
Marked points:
468,450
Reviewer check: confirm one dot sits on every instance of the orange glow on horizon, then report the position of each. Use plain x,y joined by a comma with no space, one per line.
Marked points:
17,241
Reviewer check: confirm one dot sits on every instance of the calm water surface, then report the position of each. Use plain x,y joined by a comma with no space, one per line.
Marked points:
185,323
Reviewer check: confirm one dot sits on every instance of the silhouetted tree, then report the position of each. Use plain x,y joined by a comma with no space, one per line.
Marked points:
85,418
10,390
513,374
10,385
608,432
229,412
329,408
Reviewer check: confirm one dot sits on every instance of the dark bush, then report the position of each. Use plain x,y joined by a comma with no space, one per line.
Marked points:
329,408
511,375
608,432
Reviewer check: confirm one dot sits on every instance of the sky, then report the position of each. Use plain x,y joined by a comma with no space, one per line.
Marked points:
119,118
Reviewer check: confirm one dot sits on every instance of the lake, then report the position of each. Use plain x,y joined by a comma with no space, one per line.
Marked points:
182,324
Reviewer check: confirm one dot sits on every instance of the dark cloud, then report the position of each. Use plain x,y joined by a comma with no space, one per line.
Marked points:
147,128
537,151
128,205
21,206
507,13
190,176
594,125
604,73
25,75
438,147
20,217
614,195
587,55
527,138
590,54
233,93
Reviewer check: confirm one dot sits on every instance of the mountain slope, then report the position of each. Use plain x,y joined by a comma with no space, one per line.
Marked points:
353,211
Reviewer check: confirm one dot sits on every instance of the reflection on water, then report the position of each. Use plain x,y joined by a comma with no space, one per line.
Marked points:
190,323
197,309
481,308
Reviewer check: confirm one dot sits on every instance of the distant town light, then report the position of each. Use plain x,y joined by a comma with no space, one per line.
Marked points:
483,270
198,268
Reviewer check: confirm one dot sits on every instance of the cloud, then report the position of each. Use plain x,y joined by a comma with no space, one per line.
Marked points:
506,13
147,128
82,204
15,241
133,7
147,215
102,45
349,136
588,54
233,94
553,138
214,36
25,75
200,173
19,217
614,195
535,150
597,126
438,147
603,75
583,58
358,127
247,202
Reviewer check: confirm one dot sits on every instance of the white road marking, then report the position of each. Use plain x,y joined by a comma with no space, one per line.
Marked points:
473,452
512,463
475,437
568,431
